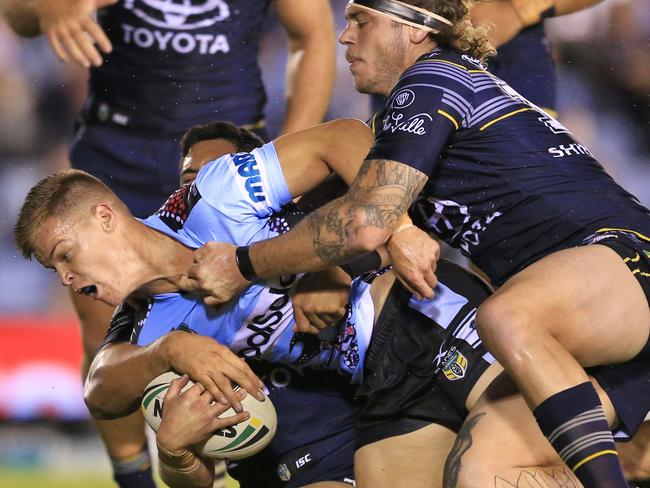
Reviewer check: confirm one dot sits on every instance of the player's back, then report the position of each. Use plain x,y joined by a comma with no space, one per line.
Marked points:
508,182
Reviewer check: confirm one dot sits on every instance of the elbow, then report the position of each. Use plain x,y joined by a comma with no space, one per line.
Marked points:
100,398
100,405
95,402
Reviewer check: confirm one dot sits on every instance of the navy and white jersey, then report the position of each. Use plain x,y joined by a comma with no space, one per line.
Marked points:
508,184
177,63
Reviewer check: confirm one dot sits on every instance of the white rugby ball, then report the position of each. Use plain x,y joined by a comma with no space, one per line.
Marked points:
233,442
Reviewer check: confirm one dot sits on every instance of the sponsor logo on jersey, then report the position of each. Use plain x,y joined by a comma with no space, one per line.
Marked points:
415,124
246,165
179,14
403,98
271,314
175,17
181,42
563,150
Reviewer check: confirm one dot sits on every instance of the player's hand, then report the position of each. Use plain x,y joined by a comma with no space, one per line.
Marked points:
71,30
414,256
320,300
192,415
500,16
211,364
215,274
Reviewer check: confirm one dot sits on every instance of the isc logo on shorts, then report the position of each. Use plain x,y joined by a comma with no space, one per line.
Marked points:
246,165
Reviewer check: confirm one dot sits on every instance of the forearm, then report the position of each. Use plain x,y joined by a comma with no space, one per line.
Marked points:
531,12
355,224
118,375
309,81
21,17
185,469
564,7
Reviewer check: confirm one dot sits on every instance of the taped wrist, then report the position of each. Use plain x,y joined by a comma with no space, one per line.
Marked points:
184,469
530,12
361,265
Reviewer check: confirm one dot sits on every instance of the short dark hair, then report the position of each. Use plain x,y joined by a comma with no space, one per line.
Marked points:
67,191
243,139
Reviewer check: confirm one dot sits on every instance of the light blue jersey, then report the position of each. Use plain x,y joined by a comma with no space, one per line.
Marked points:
237,199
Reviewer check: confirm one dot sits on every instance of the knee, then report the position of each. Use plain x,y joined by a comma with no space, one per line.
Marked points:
506,328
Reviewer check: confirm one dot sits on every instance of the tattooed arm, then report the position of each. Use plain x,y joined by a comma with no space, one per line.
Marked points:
359,222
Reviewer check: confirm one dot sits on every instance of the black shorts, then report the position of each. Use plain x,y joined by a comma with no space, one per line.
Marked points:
315,438
424,358
628,384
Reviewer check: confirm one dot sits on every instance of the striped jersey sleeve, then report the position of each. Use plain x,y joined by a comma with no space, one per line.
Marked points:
431,101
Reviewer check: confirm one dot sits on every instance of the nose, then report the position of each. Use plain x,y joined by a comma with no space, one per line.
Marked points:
65,276
345,37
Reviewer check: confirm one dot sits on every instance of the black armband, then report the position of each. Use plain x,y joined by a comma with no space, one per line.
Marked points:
361,265
244,263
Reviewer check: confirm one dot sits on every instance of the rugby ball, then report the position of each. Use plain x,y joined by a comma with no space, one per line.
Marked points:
234,442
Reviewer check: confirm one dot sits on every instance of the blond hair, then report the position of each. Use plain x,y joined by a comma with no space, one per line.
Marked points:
462,35
59,194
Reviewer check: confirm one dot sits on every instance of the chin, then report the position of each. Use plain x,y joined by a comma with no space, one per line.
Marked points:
364,86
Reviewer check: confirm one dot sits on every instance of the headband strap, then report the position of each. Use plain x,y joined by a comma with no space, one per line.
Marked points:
405,14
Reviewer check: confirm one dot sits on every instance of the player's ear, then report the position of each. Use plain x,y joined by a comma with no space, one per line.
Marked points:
417,36
106,216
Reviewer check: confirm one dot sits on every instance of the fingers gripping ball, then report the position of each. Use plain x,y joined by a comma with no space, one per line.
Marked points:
234,442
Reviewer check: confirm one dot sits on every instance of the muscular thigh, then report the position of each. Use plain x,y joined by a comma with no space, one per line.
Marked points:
413,460
588,299
500,445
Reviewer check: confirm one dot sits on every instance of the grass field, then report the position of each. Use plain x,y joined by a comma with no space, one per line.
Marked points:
10,478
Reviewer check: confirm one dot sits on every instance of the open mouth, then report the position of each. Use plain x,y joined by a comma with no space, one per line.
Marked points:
90,290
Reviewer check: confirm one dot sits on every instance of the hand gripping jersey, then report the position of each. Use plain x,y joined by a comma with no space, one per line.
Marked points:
507,182
236,199
177,63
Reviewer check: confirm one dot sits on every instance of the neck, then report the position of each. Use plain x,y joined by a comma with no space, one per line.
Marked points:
164,260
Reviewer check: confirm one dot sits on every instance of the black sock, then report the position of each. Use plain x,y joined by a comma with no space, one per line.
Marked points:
575,424
134,472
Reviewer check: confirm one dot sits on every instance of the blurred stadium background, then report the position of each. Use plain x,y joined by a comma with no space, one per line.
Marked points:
45,439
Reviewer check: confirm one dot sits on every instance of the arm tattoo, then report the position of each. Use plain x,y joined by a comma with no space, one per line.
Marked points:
380,194
461,446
